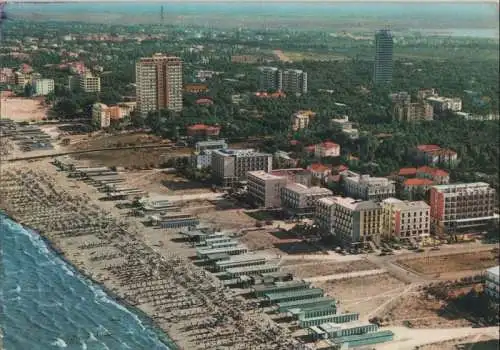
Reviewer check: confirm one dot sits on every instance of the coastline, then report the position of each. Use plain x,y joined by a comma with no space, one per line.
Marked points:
145,268
145,318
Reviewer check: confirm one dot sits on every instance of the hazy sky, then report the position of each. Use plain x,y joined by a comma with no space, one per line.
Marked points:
266,1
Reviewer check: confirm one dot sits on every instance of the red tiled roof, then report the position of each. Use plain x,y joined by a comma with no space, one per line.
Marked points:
294,142
310,148
447,151
428,148
328,144
432,171
197,127
407,171
418,182
318,167
342,167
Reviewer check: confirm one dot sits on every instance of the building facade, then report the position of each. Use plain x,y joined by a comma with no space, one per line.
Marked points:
101,115
442,104
232,165
458,208
411,112
492,283
294,81
350,221
301,119
326,149
405,219
264,189
270,79
43,87
382,74
366,187
202,156
158,83
300,200
434,154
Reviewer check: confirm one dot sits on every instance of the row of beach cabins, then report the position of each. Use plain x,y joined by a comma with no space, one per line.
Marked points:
159,212
280,294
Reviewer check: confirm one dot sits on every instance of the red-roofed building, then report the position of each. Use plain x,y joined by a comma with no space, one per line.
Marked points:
204,101
438,176
310,149
319,171
407,172
203,130
326,149
25,69
433,154
277,94
414,186
339,168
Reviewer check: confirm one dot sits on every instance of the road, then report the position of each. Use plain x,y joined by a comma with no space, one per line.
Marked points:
409,338
340,276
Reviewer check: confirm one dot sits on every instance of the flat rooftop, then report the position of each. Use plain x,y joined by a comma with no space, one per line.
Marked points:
494,270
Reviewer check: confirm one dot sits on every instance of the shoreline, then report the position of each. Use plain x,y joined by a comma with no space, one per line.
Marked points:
125,258
145,318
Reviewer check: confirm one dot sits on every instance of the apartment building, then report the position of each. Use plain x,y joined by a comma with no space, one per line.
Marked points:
43,87
158,83
264,188
434,154
349,220
294,81
202,156
459,208
232,165
366,187
405,219
101,115
346,126
382,73
411,112
416,187
300,200
438,176
492,283
442,104
301,119
326,149
270,78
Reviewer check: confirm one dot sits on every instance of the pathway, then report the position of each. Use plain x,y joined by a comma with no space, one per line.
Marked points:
340,276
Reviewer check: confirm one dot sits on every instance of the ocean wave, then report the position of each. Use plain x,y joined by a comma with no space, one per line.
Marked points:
60,343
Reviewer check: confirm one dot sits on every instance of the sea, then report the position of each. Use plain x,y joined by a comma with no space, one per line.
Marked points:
478,19
45,303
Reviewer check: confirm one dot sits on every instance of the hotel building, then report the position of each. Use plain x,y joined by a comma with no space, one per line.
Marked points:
366,187
300,200
350,221
232,165
404,219
467,208
264,189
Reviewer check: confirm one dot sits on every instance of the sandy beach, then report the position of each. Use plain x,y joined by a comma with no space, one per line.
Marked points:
138,264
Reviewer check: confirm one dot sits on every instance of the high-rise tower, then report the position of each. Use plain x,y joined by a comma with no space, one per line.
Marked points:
158,83
382,74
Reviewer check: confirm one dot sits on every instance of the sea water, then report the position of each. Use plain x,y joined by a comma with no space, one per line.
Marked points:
46,304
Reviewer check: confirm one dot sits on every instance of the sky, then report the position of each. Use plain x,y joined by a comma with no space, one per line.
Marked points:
266,1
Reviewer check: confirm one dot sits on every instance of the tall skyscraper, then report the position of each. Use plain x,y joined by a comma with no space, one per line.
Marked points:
271,78
382,74
158,83
294,81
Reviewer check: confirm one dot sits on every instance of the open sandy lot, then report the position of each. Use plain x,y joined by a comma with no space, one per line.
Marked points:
318,268
362,294
452,263
423,311
22,109
478,342
158,182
